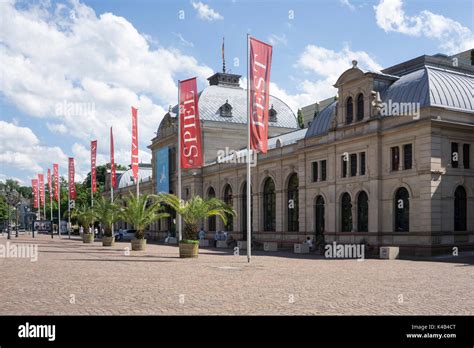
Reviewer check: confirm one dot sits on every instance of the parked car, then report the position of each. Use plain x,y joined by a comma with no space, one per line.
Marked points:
124,235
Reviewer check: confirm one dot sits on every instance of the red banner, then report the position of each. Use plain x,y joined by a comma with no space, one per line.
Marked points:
41,187
50,185
34,185
259,79
56,181
113,178
190,125
71,177
134,143
93,165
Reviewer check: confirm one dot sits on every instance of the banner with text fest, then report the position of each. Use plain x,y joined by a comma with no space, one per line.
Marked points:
190,126
41,188
259,79
72,185
56,181
93,160
135,143
34,185
50,185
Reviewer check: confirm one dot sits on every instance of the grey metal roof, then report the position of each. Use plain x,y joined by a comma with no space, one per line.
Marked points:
213,97
287,138
322,122
126,179
432,86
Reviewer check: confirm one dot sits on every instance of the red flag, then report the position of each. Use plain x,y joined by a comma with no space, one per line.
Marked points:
190,126
134,143
259,79
93,159
50,186
56,181
71,177
41,187
34,185
112,160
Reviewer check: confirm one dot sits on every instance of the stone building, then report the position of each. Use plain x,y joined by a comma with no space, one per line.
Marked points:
390,162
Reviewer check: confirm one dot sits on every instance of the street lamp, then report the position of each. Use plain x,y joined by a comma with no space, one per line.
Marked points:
12,197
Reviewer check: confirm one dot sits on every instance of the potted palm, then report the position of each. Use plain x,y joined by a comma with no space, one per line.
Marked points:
140,212
107,213
86,217
192,212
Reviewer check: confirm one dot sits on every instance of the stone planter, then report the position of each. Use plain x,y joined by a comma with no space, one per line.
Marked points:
188,250
88,238
138,244
108,241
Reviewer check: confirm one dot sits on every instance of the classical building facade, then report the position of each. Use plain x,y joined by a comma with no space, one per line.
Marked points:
389,162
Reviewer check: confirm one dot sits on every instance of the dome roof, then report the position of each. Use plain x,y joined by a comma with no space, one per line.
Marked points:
126,178
322,122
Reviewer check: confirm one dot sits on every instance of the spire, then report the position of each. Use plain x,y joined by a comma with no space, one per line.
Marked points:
223,56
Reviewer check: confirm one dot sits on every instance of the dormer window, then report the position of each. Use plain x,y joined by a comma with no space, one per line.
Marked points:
225,110
349,111
272,115
360,107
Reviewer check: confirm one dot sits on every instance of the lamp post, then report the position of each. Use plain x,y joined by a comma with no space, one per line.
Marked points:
12,197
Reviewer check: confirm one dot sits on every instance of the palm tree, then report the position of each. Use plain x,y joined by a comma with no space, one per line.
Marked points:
85,215
107,213
195,210
141,212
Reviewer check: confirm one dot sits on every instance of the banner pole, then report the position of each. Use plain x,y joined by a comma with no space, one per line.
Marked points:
44,201
69,210
59,206
249,213
180,229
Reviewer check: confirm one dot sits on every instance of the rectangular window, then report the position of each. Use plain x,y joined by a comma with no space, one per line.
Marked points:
395,158
354,164
323,170
454,155
465,156
314,171
407,156
362,163
344,167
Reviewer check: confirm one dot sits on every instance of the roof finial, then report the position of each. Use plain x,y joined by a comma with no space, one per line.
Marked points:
223,56
354,64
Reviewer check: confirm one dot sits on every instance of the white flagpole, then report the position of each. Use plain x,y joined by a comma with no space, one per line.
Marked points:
51,200
249,213
44,202
59,206
180,229
69,209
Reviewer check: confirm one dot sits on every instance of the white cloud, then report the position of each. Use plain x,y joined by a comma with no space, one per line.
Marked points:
347,4
183,41
88,60
452,35
205,12
20,148
274,40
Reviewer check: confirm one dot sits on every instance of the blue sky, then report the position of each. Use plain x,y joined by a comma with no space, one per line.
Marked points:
101,57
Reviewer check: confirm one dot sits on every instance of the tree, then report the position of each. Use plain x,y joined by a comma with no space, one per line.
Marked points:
141,212
107,213
196,209
85,215
300,119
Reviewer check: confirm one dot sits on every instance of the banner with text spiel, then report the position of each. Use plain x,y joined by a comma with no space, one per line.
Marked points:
259,79
93,159
50,185
34,185
190,126
135,143
56,181
112,160
41,188
72,184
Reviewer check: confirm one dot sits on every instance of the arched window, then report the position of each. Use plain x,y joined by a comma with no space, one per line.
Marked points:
243,216
272,115
269,205
228,200
402,210
362,212
226,109
346,213
293,212
319,215
349,110
211,220
360,107
460,209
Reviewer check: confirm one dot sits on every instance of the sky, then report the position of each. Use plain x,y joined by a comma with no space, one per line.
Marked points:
70,69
